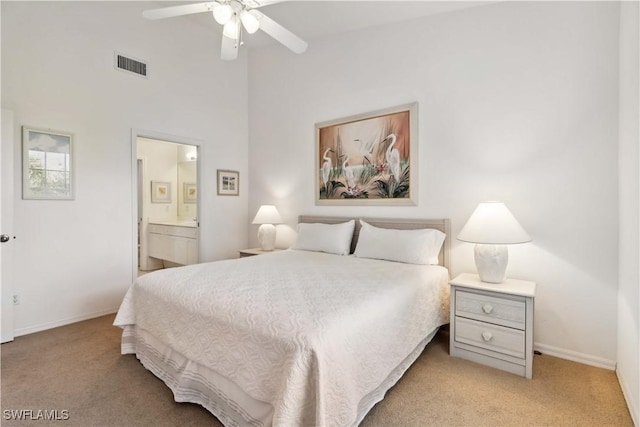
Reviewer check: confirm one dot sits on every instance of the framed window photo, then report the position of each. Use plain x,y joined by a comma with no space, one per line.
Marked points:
160,192
190,192
228,182
368,159
47,164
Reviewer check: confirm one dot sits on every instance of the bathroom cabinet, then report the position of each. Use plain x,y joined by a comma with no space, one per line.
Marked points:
174,241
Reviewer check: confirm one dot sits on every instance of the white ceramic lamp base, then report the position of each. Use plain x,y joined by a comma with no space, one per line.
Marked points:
491,262
267,237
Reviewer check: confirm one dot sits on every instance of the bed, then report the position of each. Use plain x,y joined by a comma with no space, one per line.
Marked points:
298,337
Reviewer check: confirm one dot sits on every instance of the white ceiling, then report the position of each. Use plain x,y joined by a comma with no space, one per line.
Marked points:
317,19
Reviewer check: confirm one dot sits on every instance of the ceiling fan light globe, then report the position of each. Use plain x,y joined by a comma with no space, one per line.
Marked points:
250,22
231,29
222,14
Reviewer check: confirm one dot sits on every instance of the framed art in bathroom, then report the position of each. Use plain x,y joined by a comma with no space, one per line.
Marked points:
160,192
190,192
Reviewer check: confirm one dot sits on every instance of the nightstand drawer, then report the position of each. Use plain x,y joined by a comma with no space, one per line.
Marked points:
490,337
485,308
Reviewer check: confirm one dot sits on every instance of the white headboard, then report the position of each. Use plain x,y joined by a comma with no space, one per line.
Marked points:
398,223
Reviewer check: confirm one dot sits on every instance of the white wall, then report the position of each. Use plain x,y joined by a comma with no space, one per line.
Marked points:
629,190
74,259
517,102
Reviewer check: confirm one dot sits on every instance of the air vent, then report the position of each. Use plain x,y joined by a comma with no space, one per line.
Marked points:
131,65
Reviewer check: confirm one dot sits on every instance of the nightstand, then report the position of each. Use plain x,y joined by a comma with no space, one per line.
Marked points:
255,251
492,323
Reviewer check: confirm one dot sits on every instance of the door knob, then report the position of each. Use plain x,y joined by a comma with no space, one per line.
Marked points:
4,238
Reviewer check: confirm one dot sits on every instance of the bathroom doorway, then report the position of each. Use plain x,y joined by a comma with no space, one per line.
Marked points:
167,204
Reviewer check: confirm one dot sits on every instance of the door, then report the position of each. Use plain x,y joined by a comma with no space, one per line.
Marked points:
6,227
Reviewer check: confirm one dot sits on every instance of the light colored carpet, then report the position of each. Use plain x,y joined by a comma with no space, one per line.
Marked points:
78,368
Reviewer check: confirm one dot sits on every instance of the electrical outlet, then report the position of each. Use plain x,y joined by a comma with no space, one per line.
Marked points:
16,299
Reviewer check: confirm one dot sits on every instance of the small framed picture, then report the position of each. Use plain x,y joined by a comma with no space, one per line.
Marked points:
190,192
228,182
160,192
47,167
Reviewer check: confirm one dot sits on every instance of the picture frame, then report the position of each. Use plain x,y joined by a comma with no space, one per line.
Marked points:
160,192
228,182
47,164
368,159
190,192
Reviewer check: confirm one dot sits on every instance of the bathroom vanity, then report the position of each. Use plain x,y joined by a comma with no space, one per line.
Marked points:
175,241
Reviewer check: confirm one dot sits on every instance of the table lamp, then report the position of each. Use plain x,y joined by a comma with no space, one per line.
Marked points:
491,227
267,216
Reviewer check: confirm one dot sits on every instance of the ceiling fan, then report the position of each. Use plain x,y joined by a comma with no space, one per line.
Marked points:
235,15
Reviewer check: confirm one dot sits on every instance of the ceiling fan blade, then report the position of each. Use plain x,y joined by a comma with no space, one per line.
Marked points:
229,50
254,4
186,9
279,33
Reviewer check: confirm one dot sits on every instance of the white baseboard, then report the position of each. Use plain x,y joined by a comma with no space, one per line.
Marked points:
574,356
632,404
50,325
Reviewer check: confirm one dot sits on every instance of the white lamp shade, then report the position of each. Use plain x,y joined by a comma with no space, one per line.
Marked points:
249,21
493,224
222,13
230,29
267,214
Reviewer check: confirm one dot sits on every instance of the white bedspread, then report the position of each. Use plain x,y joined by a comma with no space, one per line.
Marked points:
309,333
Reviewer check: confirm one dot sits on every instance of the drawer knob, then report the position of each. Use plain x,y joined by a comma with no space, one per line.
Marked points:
487,308
487,336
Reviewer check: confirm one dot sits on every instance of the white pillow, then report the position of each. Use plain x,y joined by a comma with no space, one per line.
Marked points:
420,246
331,238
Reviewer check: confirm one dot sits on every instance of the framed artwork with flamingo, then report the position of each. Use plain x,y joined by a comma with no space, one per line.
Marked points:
368,159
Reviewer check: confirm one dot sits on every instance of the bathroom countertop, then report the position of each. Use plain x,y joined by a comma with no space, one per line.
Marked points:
176,223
